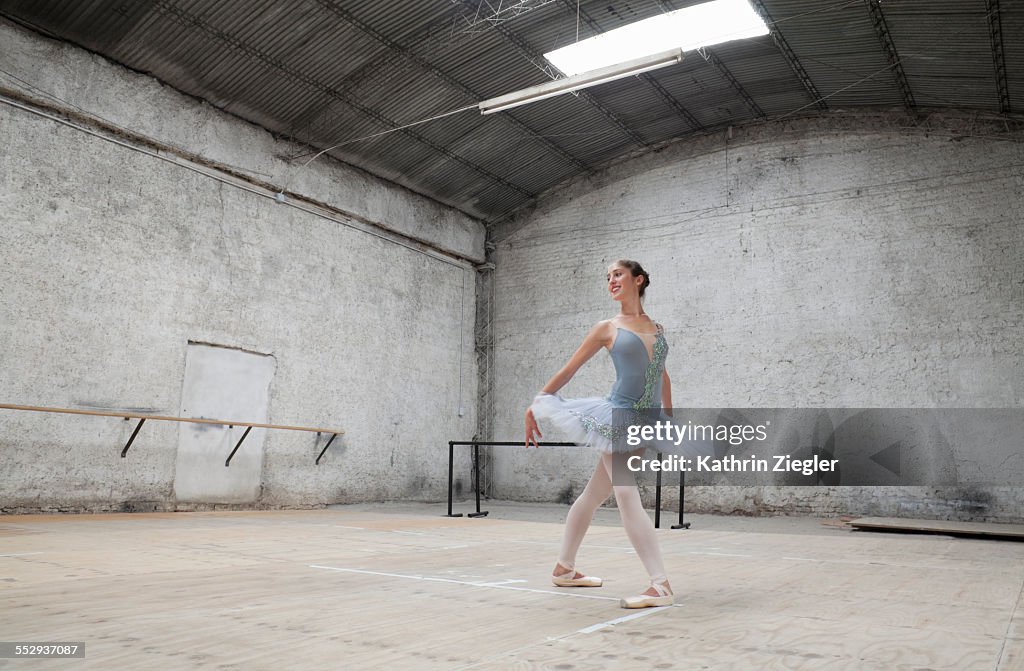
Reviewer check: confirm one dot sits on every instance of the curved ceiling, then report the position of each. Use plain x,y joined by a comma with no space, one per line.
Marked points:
327,71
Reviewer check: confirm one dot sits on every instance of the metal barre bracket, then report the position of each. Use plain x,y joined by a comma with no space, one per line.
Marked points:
333,436
227,462
132,439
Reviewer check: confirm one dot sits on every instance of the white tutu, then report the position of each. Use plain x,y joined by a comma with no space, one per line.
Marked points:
597,423
586,422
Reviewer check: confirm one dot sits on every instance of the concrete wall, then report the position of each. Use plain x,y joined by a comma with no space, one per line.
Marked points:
113,261
842,261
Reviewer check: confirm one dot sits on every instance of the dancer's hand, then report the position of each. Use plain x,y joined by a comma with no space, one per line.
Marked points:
532,430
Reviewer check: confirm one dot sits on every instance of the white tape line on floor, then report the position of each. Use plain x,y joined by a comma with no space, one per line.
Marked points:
488,585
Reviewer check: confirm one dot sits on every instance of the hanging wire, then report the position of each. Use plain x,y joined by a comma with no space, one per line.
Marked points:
578,20
370,137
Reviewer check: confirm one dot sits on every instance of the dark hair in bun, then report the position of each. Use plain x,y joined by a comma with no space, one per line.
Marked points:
636,270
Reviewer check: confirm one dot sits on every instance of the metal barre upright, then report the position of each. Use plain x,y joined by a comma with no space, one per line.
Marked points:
476,467
657,500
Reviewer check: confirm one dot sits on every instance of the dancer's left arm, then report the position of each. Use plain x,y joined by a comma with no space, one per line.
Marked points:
666,393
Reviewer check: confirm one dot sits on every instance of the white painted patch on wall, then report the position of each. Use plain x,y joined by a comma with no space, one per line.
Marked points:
230,384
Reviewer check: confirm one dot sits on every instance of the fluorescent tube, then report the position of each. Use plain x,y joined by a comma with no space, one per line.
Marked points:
581,81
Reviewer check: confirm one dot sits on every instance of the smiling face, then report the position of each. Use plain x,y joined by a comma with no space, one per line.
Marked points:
621,282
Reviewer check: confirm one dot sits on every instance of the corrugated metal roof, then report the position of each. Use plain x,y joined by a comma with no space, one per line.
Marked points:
1012,20
945,50
838,46
327,71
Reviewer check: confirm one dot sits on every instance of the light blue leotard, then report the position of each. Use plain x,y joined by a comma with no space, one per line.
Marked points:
637,373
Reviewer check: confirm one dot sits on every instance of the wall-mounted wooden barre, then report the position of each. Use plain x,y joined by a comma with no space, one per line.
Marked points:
192,420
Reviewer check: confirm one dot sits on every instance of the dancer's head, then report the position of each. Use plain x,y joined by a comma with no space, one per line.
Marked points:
627,278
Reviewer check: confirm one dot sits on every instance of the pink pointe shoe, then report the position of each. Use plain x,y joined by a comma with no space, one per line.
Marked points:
663,598
568,579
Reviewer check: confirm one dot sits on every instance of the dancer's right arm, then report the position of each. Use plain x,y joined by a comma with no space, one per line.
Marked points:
601,335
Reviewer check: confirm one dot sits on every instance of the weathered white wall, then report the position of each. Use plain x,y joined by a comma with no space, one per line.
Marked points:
112,261
827,262
832,262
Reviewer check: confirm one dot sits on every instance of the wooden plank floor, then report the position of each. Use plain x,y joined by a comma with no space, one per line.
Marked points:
951,527
402,587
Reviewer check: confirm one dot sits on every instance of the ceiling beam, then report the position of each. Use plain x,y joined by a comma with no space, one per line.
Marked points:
191,21
885,38
382,67
995,32
672,102
451,81
710,57
790,56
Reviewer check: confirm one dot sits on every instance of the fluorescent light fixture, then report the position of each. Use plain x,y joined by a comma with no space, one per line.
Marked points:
686,29
582,80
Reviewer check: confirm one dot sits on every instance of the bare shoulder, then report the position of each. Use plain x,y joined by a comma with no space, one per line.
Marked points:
602,330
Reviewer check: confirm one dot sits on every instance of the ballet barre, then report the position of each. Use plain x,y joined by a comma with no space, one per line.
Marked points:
193,420
505,443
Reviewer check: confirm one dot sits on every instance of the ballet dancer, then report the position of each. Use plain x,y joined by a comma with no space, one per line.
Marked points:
638,349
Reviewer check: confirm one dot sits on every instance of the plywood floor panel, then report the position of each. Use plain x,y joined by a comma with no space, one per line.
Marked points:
401,587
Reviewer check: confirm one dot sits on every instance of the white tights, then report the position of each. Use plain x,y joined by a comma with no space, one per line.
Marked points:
638,525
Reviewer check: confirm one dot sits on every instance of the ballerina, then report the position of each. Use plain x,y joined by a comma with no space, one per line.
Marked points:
638,349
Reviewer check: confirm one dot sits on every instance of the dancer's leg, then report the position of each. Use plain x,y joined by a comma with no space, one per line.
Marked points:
639,527
597,491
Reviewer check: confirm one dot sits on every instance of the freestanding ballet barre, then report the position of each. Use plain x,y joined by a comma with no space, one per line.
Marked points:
502,443
193,420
